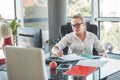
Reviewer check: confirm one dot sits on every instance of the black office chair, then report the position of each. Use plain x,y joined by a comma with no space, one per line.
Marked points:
29,37
67,29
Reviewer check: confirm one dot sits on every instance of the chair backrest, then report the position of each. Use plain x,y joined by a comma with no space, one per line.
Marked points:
25,63
29,37
67,29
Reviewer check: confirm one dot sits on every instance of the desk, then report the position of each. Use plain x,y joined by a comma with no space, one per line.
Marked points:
108,69
52,75
111,67
57,75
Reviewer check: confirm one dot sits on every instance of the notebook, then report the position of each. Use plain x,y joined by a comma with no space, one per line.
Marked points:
82,71
25,63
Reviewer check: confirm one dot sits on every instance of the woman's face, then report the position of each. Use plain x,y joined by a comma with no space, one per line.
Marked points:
78,26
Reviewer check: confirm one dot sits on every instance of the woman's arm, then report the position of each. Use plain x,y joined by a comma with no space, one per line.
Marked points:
99,47
57,49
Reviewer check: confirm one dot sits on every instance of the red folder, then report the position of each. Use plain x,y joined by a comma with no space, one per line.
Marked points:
79,70
2,61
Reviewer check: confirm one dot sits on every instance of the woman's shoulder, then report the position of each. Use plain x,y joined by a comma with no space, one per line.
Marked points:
91,34
70,34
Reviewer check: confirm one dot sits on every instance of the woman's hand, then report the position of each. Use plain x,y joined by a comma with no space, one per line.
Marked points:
56,52
59,53
102,53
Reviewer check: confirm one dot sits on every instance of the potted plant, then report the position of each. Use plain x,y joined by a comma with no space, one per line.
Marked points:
14,25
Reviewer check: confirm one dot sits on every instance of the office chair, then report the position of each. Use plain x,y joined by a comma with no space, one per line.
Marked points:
25,63
29,37
67,29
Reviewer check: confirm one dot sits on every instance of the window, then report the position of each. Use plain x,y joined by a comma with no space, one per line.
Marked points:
109,8
79,6
110,22
7,11
36,13
110,32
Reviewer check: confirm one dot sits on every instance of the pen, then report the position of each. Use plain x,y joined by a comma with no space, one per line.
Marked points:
55,55
59,52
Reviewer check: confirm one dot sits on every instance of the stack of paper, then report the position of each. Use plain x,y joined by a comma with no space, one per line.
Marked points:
71,57
92,62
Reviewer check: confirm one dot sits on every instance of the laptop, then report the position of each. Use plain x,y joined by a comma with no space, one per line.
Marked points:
25,63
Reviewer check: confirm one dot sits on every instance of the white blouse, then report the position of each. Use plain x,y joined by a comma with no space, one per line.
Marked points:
76,45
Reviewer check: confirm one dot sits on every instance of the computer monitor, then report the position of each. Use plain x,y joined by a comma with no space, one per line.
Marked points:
29,37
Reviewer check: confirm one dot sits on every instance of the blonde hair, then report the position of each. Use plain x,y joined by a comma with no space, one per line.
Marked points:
78,15
5,30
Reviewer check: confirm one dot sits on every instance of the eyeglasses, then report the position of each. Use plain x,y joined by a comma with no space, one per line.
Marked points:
77,24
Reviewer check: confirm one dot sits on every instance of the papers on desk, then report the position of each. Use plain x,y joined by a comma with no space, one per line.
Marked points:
71,57
92,62
90,56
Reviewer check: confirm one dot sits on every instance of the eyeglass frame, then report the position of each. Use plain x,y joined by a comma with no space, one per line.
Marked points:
77,24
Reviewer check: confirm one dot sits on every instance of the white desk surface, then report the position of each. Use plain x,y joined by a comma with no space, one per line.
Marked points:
112,66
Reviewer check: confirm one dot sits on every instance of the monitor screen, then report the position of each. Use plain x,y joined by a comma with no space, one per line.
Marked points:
29,37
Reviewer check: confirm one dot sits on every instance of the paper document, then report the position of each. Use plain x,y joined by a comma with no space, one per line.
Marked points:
71,57
92,62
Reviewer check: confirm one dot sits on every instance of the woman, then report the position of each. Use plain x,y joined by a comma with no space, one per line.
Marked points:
79,41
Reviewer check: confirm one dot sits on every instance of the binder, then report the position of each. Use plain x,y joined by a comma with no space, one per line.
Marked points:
82,71
90,56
